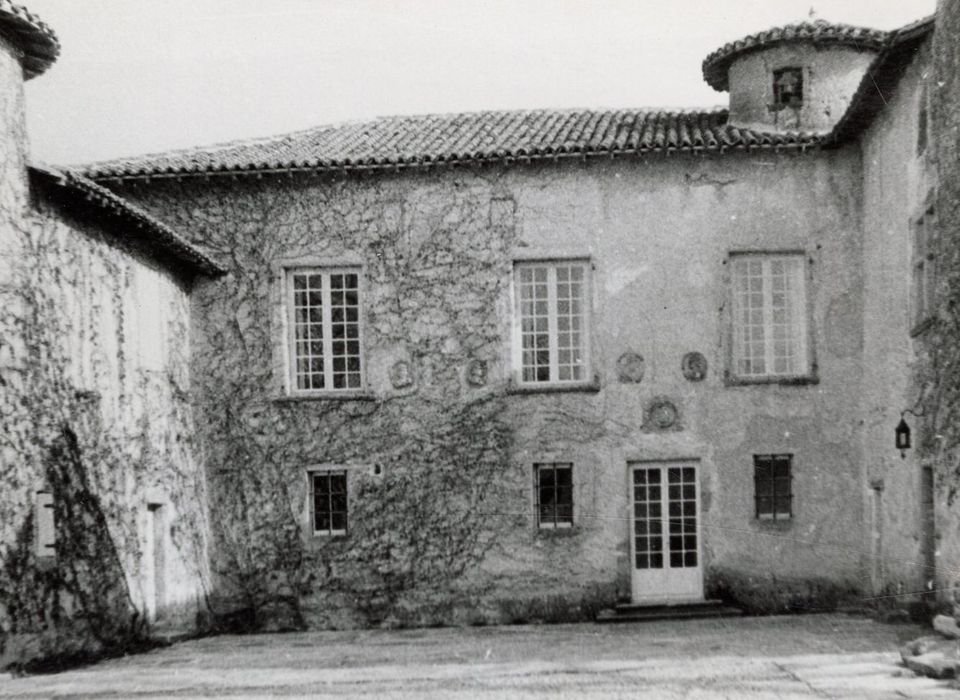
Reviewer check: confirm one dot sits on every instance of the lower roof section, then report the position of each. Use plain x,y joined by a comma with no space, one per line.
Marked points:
133,225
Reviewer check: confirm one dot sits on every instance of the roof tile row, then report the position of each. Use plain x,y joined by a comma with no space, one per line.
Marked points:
456,138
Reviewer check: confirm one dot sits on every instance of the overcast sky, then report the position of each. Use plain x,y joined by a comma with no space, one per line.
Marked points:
145,75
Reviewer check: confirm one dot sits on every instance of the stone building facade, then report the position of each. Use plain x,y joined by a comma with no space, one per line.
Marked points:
670,217
522,365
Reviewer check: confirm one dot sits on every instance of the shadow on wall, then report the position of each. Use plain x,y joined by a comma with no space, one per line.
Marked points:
71,608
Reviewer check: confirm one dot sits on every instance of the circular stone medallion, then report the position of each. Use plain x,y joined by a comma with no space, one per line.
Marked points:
663,414
400,375
630,368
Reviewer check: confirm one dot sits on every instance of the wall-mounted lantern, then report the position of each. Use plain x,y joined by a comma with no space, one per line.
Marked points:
903,437
903,431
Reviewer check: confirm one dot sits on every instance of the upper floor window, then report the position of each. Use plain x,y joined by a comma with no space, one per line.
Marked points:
553,322
922,123
769,316
150,318
324,308
923,280
788,87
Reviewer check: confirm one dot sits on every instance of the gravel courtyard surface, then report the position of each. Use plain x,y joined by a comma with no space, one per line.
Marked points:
814,656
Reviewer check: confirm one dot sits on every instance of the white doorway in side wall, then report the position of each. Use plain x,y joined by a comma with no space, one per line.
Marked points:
665,532
154,562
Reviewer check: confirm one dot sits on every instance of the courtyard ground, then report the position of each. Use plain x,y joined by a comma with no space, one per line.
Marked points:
812,656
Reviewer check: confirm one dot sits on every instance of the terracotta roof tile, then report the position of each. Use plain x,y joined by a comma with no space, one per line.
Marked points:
145,229
823,33
35,40
413,141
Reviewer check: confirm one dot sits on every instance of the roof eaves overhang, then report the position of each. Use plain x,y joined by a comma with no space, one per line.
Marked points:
146,232
805,143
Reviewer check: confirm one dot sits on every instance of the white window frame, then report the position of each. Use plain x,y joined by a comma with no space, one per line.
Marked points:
327,340
585,332
311,501
45,525
802,350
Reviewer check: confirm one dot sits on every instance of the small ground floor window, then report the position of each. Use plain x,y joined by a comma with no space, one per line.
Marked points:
554,491
328,497
773,486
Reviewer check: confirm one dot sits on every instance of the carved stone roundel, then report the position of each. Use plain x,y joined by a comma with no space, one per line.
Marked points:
630,368
694,366
477,373
400,375
663,414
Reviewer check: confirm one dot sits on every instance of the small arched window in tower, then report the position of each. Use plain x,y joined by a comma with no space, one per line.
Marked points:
787,88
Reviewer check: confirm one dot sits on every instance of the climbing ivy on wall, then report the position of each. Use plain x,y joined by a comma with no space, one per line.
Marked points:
53,436
434,273
938,372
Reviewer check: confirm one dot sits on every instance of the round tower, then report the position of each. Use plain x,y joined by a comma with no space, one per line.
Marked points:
799,77
27,48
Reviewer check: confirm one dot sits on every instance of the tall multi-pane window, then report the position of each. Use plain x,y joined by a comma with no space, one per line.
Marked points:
773,486
769,316
328,497
923,120
924,267
325,330
554,490
553,317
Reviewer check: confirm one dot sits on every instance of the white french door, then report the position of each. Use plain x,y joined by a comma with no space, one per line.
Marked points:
665,532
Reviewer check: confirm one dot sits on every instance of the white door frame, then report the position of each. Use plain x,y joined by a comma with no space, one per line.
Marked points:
665,584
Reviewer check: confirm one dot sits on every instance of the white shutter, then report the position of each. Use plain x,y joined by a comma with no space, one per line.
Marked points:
46,526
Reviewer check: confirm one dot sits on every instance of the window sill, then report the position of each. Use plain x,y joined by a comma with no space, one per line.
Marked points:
774,523
801,380
360,395
317,543
589,387
922,327
557,532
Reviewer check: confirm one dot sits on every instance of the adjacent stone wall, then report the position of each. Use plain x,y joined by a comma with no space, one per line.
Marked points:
945,123
898,184
95,409
441,470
